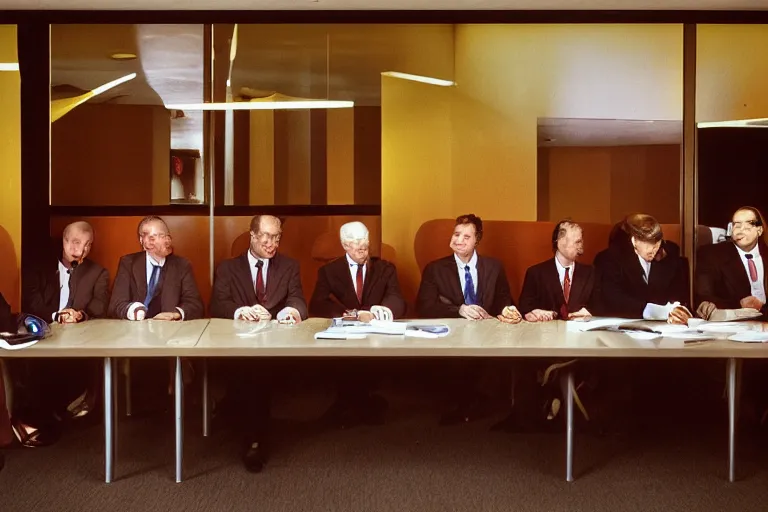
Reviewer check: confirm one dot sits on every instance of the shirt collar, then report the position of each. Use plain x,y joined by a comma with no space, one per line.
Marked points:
351,261
561,267
62,268
472,261
253,259
755,252
153,261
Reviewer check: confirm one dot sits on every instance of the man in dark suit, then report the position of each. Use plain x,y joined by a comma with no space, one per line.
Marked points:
257,286
155,283
369,287
469,286
69,288
466,284
641,274
731,274
74,288
560,287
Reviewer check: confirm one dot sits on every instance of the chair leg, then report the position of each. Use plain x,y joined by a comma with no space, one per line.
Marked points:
128,396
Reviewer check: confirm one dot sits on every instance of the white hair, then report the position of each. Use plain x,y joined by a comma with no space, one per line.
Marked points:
352,231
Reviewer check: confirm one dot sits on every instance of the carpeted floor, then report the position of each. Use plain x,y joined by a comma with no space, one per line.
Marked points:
672,461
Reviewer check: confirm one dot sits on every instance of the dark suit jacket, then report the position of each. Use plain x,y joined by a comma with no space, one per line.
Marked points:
176,287
440,293
721,277
6,324
88,290
335,292
233,287
624,290
542,289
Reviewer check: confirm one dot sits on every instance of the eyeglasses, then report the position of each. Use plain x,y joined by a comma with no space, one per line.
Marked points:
263,237
157,236
747,225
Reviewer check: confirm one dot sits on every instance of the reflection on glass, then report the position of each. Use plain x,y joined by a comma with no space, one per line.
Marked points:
113,141
321,156
600,170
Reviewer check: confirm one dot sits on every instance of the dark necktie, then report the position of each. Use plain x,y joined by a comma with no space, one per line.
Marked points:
566,294
152,286
469,288
359,284
752,267
259,284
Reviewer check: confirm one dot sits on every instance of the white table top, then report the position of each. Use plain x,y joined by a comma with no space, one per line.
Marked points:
231,338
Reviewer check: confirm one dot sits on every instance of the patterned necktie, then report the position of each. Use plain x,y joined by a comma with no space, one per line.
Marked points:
469,288
752,267
359,284
566,294
152,285
259,284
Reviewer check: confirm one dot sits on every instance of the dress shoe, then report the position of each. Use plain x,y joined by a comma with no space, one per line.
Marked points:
254,458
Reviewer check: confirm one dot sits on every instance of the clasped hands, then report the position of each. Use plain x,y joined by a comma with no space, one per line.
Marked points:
170,316
69,316
540,315
259,313
509,315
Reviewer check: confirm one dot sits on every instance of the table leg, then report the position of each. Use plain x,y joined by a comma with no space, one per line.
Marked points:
179,398
206,401
733,398
569,428
109,419
128,396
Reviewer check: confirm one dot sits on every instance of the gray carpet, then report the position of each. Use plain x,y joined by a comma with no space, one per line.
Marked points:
408,464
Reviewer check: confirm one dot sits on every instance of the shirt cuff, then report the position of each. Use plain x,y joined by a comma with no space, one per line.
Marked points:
54,315
657,312
132,310
181,312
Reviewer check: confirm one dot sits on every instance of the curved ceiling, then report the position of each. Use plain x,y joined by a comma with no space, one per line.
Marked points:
388,4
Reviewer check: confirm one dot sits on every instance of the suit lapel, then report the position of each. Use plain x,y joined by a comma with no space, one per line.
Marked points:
275,274
578,281
140,275
451,271
244,276
371,276
734,268
74,279
344,274
552,283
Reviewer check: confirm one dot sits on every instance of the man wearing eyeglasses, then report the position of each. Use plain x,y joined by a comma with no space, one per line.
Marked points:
154,282
257,286
731,275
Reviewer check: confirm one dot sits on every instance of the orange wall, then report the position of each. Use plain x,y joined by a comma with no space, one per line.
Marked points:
104,154
603,184
10,171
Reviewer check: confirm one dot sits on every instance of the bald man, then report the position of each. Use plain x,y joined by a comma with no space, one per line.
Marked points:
71,288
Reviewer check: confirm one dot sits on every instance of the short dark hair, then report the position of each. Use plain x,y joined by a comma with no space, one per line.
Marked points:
643,227
147,220
758,215
561,229
256,222
471,218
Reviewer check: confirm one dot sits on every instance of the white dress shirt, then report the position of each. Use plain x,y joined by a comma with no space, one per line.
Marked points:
353,271
151,263
758,288
561,271
472,271
646,267
63,288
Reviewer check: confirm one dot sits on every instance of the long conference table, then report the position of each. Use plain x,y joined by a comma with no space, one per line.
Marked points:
113,339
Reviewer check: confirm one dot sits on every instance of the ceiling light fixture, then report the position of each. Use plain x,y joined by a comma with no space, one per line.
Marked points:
62,106
419,78
9,66
739,123
123,56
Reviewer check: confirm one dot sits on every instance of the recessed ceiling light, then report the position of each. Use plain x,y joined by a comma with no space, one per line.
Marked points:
123,56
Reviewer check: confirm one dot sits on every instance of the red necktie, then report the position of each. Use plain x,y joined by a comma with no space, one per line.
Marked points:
359,284
566,294
259,285
752,267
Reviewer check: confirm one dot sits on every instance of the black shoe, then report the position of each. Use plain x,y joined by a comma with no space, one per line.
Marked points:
254,458
374,410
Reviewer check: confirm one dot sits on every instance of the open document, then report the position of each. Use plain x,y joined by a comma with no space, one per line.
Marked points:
352,329
640,329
